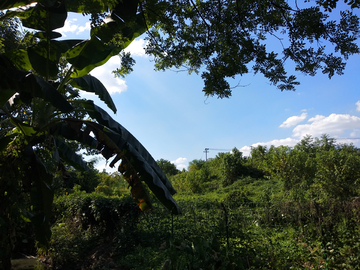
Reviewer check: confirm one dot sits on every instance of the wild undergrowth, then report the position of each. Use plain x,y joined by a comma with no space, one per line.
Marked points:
278,209
242,226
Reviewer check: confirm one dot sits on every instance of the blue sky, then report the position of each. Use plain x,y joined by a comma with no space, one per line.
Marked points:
168,113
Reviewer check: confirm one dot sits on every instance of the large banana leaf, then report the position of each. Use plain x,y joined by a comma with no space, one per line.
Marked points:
67,154
40,16
111,143
119,29
42,57
91,84
105,119
90,54
108,39
28,86
19,59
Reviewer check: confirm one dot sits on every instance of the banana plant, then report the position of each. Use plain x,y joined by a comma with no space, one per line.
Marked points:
39,106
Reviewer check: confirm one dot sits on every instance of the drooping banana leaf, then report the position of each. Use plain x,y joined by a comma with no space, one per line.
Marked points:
107,39
138,191
111,143
116,144
105,119
49,93
90,54
91,84
67,154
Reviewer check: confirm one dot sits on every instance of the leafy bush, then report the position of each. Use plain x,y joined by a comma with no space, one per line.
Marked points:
91,225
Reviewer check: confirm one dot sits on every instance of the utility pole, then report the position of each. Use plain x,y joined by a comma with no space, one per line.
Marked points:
206,151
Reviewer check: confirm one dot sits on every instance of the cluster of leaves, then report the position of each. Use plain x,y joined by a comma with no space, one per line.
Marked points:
229,38
250,235
315,168
167,167
84,221
221,171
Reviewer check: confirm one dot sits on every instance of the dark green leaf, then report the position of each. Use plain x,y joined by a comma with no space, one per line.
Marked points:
105,119
91,84
44,59
45,35
26,129
20,59
118,144
40,17
88,55
70,156
50,94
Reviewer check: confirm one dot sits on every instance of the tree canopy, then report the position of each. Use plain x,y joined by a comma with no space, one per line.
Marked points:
222,39
167,167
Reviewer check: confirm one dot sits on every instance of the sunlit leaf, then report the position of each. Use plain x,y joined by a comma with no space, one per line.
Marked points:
26,129
6,4
20,59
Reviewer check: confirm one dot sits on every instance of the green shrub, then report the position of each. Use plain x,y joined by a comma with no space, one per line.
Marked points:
88,224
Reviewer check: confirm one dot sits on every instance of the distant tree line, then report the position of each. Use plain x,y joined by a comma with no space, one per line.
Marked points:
315,168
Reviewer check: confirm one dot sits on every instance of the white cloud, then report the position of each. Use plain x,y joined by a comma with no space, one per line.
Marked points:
358,106
103,73
355,133
334,125
180,163
69,26
83,28
277,142
136,48
293,120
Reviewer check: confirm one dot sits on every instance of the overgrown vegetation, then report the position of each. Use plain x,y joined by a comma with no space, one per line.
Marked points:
231,204
256,220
